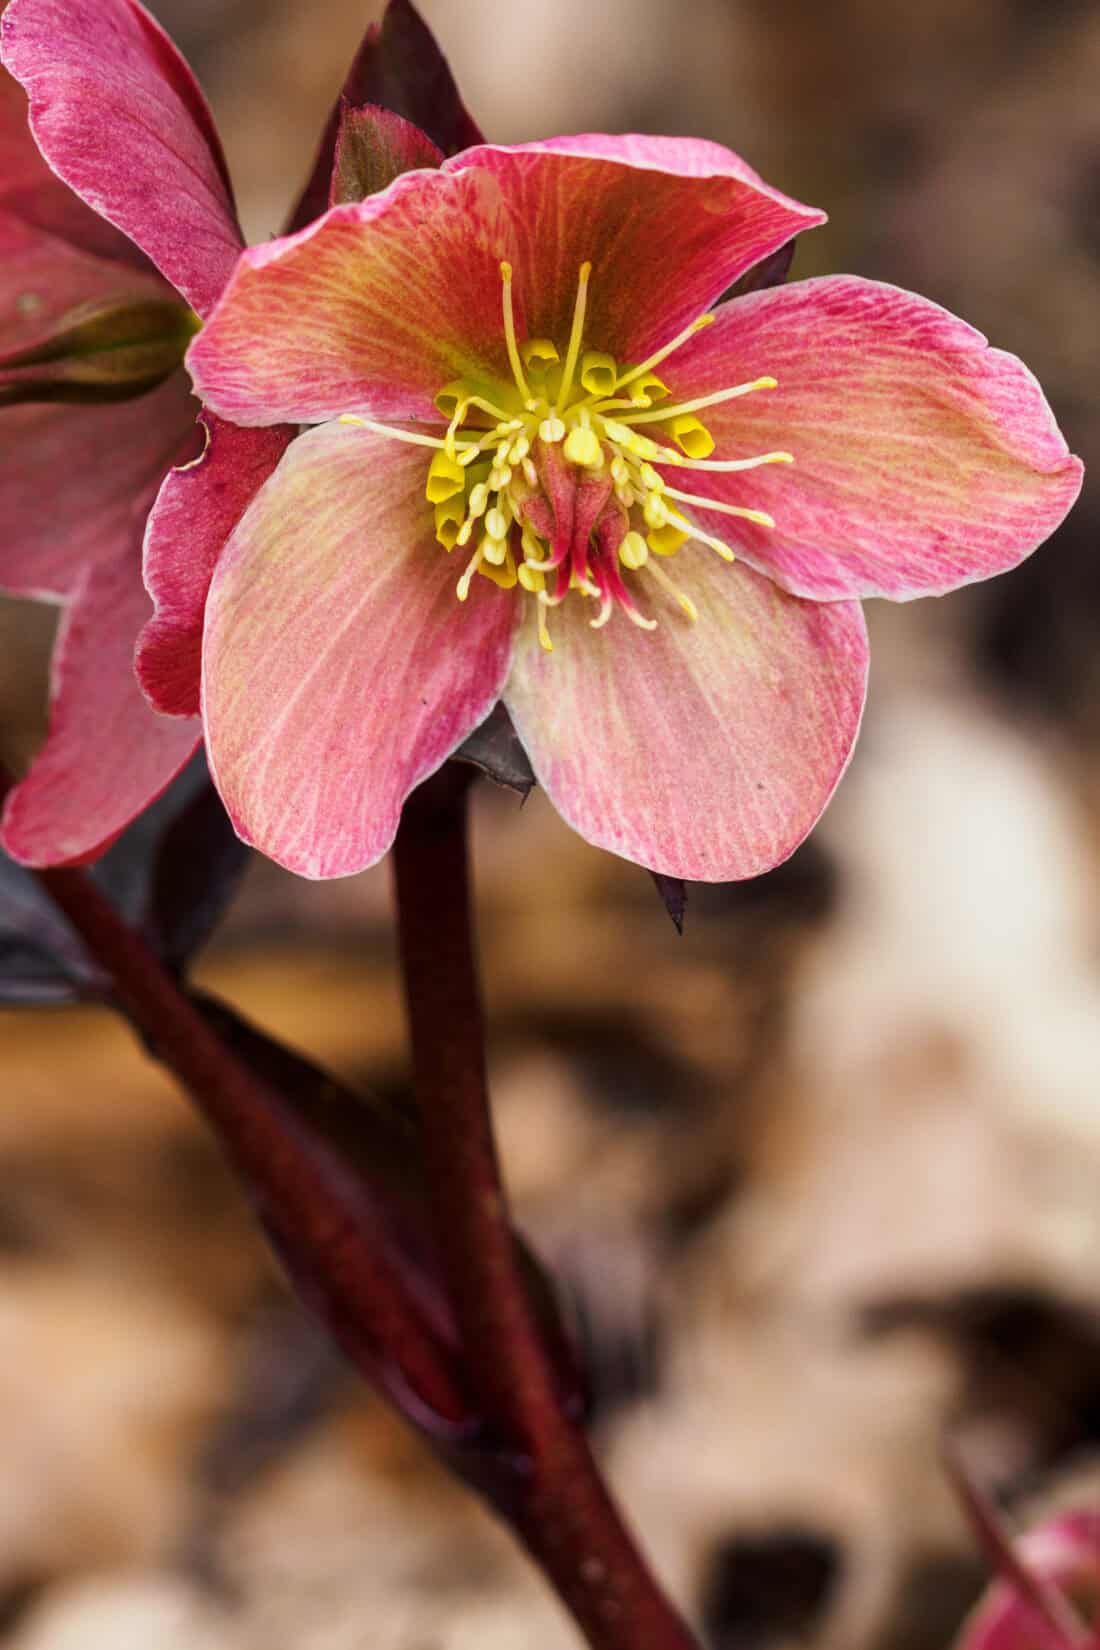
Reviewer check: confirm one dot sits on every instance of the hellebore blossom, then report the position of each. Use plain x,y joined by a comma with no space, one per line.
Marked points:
85,316
1052,1600
75,483
548,468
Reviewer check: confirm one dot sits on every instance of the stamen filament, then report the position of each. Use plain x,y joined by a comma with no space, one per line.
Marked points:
662,354
760,517
660,415
398,435
719,466
575,337
685,526
510,334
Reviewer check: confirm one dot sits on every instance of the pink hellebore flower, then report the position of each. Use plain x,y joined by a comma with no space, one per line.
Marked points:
122,121
545,470
1052,1602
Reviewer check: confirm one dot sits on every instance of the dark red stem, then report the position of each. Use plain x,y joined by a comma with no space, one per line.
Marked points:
562,1507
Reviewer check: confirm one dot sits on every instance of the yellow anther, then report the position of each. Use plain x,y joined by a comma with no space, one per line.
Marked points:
722,466
496,524
693,532
582,447
449,517
499,476
692,437
598,371
638,446
544,629
479,499
539,354
530,578
575,335
510,333
519,449
655,511
620,470
664,352
650,479
465,532
634,551
551,430
665,541
647,389
352,418
494,549
446,477
530,474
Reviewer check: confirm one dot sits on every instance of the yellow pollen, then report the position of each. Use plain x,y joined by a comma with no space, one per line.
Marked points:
551,430
633,551
582,447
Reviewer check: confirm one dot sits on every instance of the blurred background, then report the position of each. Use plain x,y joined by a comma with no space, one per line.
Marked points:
822,1178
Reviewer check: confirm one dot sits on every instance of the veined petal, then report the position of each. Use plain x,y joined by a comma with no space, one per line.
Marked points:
704,750
380,303
107,755
339,669
667,223
107,457
923,459
196,510
120,117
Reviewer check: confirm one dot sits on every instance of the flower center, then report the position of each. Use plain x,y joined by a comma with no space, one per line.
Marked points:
551,478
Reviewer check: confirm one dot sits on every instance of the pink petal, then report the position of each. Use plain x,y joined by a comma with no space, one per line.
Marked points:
1063,1553
667,223
107,755
339,669
108,458
923,459
398,67
196,510
30,192
703,750
120,117
297,336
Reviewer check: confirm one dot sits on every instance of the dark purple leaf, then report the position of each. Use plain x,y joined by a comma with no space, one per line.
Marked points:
398,67
673,892
495,748
170,874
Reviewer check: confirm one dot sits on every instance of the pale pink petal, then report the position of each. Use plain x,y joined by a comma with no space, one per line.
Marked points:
120,117
197,508
106,458
923,459
339,668
380,304
667,223
107,755
705,750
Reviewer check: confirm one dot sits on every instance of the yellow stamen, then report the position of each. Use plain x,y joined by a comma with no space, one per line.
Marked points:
634,551
539,354
463,586
446,477
659,415
662,354
544,629
551,430
760,517
395,435
575,336
692,437
689,531
720,466
449,517
583,447
510,334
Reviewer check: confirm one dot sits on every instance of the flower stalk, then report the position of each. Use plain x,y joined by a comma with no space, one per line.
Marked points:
559,1503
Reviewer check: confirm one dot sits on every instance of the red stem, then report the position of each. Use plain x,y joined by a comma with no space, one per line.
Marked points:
562,1509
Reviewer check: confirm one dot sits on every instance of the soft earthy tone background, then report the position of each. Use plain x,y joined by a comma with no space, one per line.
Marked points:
821,1177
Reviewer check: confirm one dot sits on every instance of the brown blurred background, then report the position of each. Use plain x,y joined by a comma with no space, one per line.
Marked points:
820,1179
